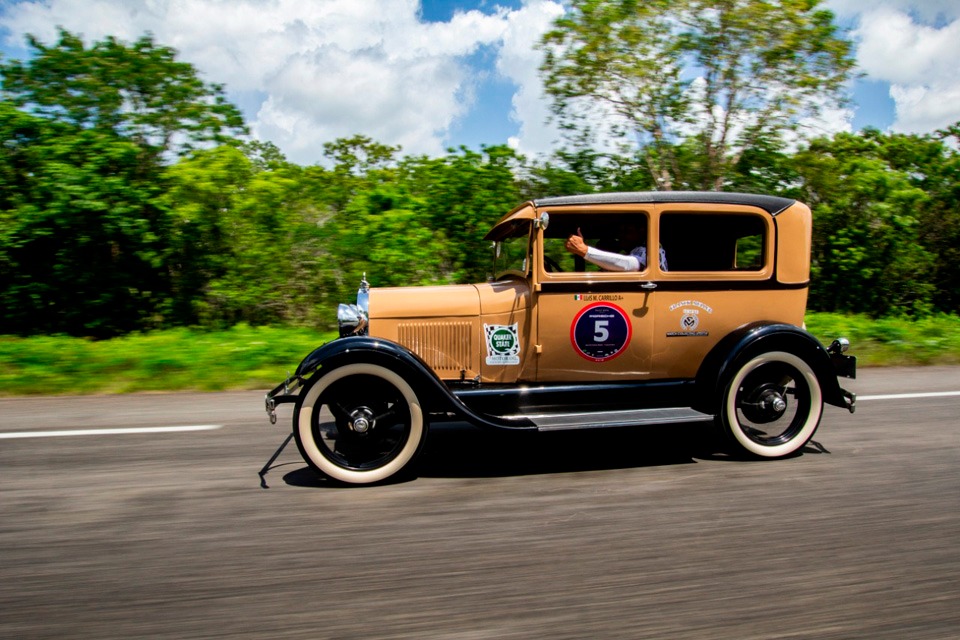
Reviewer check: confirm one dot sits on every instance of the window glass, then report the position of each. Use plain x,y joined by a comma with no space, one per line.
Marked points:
617,233
510,253
750,253
713,241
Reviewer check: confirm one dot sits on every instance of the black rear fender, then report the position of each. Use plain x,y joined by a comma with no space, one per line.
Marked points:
726,358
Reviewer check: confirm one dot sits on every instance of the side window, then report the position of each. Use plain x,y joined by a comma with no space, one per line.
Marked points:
714,241
749,253
619,233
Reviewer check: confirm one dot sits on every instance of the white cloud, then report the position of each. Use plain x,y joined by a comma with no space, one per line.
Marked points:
914,46
307,72
925,10
520,62
896,48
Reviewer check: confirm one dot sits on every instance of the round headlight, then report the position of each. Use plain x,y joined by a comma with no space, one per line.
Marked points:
352,320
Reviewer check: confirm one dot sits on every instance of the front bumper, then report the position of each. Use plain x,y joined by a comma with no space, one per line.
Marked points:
283,393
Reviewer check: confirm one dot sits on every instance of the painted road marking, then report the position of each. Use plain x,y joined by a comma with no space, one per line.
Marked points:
108,432
213,427
910,396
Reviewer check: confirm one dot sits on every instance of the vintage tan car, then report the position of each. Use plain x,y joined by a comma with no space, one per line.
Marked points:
710,329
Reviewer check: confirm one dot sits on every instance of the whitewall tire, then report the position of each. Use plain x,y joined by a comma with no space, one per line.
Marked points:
772,405
359,423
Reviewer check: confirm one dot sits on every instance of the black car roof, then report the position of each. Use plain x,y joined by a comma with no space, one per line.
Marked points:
771,204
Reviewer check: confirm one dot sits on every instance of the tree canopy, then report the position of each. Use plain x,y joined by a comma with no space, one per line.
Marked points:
138,92
721,75
87,133
130,201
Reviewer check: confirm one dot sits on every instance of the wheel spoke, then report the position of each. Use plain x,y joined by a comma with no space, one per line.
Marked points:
340,413
388,418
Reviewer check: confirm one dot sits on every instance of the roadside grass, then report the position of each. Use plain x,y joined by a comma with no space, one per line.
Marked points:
242,357
245,357
890,342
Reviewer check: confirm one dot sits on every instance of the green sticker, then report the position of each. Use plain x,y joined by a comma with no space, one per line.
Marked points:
503,344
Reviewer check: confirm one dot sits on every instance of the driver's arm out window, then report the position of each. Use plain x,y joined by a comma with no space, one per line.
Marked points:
617,233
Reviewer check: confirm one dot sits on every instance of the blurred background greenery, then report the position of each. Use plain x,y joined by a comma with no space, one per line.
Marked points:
143,233
260,357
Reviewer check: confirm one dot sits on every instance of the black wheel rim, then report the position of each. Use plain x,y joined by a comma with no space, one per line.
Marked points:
773,404
362,422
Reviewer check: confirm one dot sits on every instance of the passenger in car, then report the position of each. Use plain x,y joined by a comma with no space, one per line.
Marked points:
635,260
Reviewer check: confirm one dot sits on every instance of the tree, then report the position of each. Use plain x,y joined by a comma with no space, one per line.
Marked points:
82,241
868,255
721,74
88,136
382,234
461,196
933,166
358,162
138,92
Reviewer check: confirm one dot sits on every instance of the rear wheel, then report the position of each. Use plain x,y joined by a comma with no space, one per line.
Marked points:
359,423
772,406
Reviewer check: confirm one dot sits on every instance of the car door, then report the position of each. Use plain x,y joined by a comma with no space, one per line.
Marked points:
721,277
592,325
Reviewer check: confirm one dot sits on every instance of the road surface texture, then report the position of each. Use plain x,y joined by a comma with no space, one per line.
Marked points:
124,528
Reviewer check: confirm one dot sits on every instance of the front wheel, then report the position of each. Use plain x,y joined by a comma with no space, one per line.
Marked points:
772,406
359,423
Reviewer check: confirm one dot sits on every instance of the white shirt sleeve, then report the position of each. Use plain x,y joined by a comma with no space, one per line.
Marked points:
612,261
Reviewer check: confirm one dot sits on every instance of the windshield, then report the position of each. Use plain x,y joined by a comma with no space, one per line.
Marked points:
510,254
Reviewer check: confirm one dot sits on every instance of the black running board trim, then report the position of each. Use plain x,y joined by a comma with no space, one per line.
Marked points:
603,419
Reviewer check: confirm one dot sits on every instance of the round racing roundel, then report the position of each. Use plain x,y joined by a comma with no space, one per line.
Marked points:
601,331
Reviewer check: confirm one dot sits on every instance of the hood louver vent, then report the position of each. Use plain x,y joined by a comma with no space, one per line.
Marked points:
445,346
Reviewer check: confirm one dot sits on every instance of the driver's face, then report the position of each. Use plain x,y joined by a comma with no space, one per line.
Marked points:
631,234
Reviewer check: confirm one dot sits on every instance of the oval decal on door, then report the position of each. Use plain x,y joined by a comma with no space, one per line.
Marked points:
601,331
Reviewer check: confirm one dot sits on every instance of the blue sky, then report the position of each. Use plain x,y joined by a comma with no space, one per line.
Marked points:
433,74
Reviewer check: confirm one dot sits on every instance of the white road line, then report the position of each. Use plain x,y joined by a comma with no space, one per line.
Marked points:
910,396
213,427
107,432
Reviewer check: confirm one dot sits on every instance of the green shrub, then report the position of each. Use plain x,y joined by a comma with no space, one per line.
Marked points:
245,357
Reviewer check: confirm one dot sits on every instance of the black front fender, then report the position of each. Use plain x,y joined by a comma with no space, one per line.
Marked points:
723,361
375,351
354,346
435,396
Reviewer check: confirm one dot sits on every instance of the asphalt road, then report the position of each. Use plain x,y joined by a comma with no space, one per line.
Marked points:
112,532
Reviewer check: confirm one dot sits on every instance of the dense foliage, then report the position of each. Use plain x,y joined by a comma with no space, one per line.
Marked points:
249,357
129,200
86,244
722,75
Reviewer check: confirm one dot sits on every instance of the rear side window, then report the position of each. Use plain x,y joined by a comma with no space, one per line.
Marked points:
714,241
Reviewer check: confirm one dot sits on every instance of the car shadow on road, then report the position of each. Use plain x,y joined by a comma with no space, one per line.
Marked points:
463,451
458,450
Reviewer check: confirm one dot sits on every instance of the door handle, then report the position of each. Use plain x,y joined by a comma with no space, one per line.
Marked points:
648,285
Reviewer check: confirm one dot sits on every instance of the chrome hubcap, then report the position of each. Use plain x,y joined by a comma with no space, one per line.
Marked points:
778,403
361,420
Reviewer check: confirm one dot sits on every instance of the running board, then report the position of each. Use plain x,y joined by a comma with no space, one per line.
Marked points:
601,419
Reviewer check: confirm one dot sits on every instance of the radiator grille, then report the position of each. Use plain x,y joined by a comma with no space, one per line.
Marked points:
442,345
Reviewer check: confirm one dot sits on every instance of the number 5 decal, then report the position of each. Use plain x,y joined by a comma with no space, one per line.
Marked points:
600,332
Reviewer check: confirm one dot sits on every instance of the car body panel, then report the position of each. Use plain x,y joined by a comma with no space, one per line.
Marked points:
553,341
657,324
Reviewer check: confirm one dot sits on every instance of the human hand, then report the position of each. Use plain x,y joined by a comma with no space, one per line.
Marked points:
576,245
